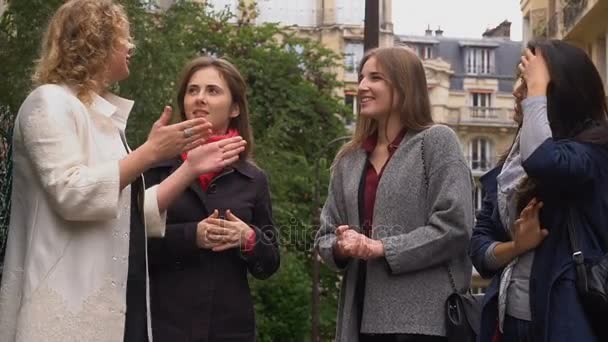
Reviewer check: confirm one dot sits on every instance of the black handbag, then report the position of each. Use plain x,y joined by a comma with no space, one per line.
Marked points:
591,280
462,310
462,314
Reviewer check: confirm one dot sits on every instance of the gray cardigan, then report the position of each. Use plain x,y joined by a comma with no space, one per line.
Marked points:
422,226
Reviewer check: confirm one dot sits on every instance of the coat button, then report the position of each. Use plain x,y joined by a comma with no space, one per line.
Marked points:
212,189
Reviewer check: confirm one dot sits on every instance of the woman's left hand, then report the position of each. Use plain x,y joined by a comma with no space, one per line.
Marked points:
535,72
214,156
230,232
528,233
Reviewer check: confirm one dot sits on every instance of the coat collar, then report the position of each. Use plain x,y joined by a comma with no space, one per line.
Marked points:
370,143
113,107
109,105
490,176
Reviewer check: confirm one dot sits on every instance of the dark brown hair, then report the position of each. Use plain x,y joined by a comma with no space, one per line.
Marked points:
576,101
238,90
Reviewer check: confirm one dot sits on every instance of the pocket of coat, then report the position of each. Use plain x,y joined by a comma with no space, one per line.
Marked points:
566,316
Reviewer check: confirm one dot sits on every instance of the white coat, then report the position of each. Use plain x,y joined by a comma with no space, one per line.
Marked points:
66,263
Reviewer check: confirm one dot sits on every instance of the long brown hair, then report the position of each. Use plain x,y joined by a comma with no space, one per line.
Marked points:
238,90
408,82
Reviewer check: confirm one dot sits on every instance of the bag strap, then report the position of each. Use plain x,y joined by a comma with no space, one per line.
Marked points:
426,184
577,253
451,276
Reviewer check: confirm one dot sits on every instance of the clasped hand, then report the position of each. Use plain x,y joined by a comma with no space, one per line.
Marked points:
350,243
221,234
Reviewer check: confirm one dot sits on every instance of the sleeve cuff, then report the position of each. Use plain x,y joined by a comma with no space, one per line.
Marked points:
391,255
325,247
532,100
107,174
489,259
250,244
155,220
102,197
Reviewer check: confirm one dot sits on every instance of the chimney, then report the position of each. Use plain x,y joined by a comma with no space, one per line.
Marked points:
439,31
428,31
503,30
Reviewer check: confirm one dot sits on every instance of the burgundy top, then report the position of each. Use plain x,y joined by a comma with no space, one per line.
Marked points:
372,179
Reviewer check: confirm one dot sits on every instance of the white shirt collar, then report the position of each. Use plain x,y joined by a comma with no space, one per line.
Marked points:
114,107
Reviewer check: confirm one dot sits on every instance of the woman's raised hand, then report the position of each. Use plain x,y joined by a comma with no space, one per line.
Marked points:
528,233
215,156
166,141
535,72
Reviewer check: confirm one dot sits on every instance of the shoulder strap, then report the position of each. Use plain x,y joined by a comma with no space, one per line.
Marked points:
577,253
426,185
423,155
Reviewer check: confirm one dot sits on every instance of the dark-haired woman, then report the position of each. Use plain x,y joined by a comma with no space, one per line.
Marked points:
557,165
220,229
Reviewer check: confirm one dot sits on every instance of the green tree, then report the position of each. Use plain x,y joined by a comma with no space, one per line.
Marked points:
21,28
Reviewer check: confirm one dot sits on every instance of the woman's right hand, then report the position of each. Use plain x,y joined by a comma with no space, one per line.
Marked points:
535,72
166,141
214,156
203,237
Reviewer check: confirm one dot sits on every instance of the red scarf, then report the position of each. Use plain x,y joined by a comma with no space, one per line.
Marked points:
206,178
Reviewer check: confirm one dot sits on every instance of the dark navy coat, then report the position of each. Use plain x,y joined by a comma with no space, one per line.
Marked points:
197,294
568,173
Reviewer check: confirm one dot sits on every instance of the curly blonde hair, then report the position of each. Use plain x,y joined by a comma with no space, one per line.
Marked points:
78,44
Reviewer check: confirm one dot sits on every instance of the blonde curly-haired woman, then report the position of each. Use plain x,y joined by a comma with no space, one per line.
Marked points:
75,267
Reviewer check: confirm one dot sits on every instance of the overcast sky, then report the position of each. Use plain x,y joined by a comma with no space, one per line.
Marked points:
457,18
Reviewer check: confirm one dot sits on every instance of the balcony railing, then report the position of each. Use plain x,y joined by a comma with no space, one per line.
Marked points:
481,116
572,12
553,25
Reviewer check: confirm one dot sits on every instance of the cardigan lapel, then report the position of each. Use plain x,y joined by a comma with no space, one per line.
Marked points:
354,204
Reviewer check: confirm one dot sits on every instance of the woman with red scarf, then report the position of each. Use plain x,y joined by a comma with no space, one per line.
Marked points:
219,229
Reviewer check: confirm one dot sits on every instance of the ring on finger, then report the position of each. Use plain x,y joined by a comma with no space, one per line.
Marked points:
188,132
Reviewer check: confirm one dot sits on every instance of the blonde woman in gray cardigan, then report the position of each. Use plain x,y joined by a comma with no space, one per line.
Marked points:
399,211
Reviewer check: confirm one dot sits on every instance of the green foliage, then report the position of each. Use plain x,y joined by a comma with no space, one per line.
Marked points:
288,293
21,28
294,114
